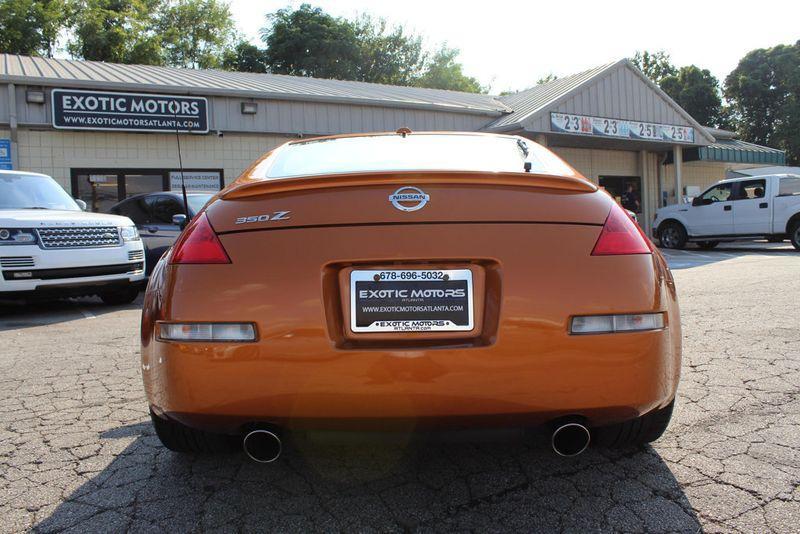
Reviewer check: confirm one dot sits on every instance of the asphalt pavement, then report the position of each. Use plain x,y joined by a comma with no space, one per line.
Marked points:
78,454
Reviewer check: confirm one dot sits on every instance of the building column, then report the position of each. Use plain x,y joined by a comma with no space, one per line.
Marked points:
644,194
12,124
677,151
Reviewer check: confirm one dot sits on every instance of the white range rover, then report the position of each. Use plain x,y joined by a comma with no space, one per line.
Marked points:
50,247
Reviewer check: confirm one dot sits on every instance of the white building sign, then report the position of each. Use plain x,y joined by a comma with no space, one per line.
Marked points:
619,128
205,181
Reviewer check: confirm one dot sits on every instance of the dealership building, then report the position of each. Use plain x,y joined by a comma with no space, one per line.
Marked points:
107,131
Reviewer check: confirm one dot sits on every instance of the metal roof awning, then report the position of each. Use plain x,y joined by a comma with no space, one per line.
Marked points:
737,151
734,151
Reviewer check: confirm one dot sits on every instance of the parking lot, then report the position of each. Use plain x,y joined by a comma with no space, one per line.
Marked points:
78,452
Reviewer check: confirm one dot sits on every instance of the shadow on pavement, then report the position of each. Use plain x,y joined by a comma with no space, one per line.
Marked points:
693,256
18,314
318,484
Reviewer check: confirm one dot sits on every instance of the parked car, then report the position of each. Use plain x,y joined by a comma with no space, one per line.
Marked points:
154,217
50,247
430,279
741,208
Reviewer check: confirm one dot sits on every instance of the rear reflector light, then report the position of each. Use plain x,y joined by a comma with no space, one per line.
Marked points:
207,331
621,235
605,324
199,244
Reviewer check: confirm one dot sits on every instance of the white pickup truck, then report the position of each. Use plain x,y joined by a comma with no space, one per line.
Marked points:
754,207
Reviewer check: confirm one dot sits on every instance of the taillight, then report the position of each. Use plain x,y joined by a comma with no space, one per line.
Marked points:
199,244
620,235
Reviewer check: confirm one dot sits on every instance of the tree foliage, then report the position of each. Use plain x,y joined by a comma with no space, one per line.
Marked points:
245,57
31,27
764,91
697,91
195,33
387,55
444,72
309,42
118,31
655,65
546,79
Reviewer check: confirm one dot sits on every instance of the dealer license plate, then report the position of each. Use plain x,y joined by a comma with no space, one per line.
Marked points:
405,300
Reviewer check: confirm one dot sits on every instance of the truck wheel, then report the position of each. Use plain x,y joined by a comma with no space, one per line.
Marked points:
179,438
707,245
124,295
672,235
794,235
635,432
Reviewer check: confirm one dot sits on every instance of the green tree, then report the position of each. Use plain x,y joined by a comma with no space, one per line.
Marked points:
309,42
764,92
117,31
696,91
195,33
245,57
655,65
31,27
444,72
390,56
546,79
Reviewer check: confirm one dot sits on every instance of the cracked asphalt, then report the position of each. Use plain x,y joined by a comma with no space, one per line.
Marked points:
77,452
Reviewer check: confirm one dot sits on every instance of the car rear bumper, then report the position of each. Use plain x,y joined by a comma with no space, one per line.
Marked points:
604,378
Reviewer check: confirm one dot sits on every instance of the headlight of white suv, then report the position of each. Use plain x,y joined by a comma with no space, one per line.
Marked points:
129,233
17,236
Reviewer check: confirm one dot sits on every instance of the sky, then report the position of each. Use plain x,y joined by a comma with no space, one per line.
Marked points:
509,45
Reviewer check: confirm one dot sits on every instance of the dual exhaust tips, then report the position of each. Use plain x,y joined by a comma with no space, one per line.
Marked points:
568,439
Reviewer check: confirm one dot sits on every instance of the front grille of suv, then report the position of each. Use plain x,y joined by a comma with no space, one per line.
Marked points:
79,237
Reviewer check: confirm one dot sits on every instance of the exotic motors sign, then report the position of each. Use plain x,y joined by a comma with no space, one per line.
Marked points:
604,127
131,112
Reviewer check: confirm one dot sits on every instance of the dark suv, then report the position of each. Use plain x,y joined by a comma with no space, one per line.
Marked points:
152,214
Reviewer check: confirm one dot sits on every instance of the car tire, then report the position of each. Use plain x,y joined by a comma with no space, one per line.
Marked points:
180,438
707,245
635,432
120,296
794,235
672,235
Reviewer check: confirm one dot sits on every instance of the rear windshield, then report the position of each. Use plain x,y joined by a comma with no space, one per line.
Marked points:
415,152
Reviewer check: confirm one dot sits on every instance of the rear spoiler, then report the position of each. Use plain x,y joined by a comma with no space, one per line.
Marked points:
250,187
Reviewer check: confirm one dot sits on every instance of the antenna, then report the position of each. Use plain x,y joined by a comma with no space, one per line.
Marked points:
180,164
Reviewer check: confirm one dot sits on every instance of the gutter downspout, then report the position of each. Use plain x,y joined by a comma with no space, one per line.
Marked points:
12,123
660,178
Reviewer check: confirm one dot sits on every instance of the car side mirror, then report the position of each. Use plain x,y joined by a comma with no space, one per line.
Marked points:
81,204
180,220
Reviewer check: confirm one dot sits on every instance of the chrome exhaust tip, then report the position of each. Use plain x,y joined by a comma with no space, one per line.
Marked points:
570,439
262,446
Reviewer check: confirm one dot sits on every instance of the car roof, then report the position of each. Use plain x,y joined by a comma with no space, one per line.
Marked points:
756,177
24,173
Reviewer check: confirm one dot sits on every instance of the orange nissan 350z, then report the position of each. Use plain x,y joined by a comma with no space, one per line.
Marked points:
424,279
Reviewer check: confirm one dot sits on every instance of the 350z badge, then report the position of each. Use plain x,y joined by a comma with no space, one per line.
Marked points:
275,216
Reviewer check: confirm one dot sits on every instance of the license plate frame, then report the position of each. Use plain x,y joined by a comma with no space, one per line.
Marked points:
412,320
